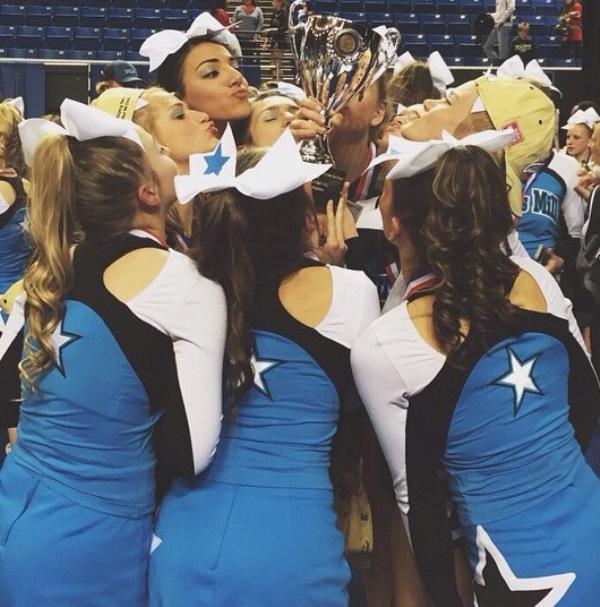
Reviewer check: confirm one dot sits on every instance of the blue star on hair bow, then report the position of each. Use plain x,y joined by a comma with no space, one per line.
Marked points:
215,161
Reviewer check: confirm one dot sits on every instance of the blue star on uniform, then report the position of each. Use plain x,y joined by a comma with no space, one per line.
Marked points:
261,367
519,378
61,339
215,162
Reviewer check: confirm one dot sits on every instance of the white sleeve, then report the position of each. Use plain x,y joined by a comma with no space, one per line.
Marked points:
195,317
557,304
572,206
383,394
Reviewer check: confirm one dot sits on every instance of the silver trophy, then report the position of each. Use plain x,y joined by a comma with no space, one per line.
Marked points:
336,60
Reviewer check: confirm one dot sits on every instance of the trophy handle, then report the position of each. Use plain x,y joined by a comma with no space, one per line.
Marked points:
297,12
393,35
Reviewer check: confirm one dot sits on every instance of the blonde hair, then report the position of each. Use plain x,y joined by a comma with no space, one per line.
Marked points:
10,144
77,188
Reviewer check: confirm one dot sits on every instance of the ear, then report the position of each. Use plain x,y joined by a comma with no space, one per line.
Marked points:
394,230
148,194
379,115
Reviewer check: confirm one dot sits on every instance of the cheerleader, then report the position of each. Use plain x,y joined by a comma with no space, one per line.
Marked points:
201,67
175,127
123,337
480,374
580,127
258,528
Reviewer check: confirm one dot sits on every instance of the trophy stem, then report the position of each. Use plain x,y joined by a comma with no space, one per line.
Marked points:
316,150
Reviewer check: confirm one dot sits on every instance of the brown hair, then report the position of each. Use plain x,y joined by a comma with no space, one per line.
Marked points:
244,243
10,143
76,188
465,231
412,84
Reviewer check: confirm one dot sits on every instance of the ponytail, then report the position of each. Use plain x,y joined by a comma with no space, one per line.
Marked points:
53,229
223,257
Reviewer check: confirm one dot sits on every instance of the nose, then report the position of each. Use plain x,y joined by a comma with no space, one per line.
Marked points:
287,118
200,117
235,77
429,104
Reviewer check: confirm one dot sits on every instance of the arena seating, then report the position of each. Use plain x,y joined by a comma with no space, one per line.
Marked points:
94,29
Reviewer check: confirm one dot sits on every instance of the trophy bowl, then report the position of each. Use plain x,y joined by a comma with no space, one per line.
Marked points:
336,60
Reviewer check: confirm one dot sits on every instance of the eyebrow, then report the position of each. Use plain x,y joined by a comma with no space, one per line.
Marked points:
286,108
213,60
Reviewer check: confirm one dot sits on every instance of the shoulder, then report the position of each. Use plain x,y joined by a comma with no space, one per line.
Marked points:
556,303
566,166
7,194
343,278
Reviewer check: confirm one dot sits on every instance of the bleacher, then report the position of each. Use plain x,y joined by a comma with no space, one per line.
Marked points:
96,30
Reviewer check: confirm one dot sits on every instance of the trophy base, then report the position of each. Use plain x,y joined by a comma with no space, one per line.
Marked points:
328,187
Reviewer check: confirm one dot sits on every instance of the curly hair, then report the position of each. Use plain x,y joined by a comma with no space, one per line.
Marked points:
465,230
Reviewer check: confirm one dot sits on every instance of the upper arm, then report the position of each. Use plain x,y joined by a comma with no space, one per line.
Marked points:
7,196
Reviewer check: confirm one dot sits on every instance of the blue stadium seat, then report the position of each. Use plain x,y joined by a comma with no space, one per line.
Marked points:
93,16
22,53
66,16
349,6
58,37
375,6
148,17
461,39
470,50
8,35
12,15
137,36
538,25
175,18
545,7
565,62
380,19
473,7
447,7
119,16
30,36
325,7
3,52
452,61
416,44
355,17
157,4
399,6
433,24
525,6
115,39
408,23
39,15
423,6
52,53
134,56
549,51
442,43
86,38
80,55
124,3
480,61
252,74
458,24
110,55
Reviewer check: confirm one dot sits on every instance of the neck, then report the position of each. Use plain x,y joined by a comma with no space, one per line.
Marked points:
409,259
220,125
351,154
155,224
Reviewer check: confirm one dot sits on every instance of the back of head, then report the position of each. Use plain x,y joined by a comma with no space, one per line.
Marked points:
10,144
78,190
531,113
468,223
412,84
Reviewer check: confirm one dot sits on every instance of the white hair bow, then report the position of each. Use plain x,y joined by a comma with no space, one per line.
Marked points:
515,68
79,121
438,68
159,46
19,103
588,117
279,171
291,90
401,61
414,157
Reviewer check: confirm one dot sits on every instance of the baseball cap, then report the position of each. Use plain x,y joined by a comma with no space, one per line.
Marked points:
519,105
123,73
121,102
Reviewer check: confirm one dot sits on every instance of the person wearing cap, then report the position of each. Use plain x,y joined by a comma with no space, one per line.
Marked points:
480,373
503,17
119,73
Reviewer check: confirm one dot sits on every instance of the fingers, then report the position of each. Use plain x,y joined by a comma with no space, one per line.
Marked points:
331,224
341,212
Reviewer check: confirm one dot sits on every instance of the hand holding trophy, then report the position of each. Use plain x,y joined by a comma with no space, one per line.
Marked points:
336,60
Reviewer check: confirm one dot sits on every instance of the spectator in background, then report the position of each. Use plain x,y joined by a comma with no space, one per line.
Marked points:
503,18
248,16
522,44
219,12
275,35
119,73
571,29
